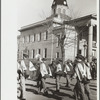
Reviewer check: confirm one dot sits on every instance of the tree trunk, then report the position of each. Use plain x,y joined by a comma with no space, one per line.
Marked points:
63,54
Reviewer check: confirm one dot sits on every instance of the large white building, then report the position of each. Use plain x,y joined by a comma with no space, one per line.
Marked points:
58,36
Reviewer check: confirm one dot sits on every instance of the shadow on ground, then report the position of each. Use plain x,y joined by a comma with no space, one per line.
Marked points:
52,93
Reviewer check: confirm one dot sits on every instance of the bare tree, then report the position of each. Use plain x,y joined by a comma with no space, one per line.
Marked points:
62,39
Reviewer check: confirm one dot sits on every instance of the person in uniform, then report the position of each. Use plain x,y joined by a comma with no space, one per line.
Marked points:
24,68
58,74
82,74
42,76
93,68
68,72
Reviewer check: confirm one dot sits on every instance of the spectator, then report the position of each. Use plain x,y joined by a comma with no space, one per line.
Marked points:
94,68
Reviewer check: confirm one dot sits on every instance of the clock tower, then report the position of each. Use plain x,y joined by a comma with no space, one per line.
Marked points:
61,10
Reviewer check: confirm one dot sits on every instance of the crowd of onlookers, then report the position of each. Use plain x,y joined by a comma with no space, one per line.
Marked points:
80,69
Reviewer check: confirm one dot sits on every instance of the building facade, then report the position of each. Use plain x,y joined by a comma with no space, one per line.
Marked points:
43,37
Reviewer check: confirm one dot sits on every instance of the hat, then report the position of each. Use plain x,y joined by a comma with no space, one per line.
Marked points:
58,60
68,61
79,56
44,59
38,56
94,58
25,55
25,52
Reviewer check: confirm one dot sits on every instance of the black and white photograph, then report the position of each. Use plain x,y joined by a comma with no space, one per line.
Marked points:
56,55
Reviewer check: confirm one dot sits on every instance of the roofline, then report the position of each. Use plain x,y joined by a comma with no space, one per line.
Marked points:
93,16
59,5
40,23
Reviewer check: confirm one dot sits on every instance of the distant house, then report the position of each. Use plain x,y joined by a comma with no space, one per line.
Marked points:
43,37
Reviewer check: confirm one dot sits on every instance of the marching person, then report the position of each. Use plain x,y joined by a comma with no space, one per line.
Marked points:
19,87
81,74
24,68
68,71
58,74
42,76
32,70
53,68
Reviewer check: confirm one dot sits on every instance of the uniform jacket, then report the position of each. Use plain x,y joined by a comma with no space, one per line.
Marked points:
23,65
58,68
43,69
82,70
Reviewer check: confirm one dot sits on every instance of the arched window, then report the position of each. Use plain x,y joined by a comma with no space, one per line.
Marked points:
59,10
64,11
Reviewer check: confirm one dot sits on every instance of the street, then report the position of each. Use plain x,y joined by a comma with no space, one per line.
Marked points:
65,93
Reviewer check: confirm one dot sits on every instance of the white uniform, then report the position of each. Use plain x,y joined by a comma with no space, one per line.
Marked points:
43,69
66,68
31,67
23,65
82,71
58,68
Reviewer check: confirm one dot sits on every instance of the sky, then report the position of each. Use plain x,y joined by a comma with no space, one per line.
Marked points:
31,11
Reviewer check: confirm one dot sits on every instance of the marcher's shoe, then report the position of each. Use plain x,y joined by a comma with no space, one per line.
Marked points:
39,93
23,99
68,86
57,90
45,93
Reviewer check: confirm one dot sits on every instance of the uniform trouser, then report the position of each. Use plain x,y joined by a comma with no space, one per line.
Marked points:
58,82
68,81
41,84
93,73
44,84
23,86
84,88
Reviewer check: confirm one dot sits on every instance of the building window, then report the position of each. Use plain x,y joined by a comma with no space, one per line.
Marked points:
22,55
32,38
79,51
39,36
26,39
59,10
57,54
64,11
28,53
23,39
38,51
45,53
57,44
18,54
54,11
45,35
29,38
81,36
32,53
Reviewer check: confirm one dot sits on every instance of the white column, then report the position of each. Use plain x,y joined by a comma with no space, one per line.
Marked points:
52,49
90,39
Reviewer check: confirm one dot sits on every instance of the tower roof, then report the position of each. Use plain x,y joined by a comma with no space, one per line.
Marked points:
59,2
